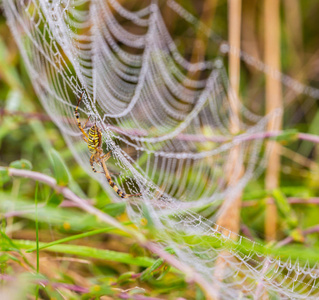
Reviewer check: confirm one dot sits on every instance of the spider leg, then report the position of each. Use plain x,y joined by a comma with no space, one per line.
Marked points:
114,173
106,156
92,160
130,195
84,138
109,179
76,113
86,122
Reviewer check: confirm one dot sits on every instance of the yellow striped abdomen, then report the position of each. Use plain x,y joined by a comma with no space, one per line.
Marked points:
94,139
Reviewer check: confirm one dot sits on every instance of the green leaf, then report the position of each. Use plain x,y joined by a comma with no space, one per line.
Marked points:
147,274
170,250
55,199
159,267
4,176
4,258
284,208
21,164
85,251
55,216
60,170
165,270
74,237
306,147
281,202
149,220
98,290
199,294
297,235
114,209
286,136
137,250
125,278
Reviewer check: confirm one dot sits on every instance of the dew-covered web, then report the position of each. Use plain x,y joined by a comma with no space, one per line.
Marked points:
167,122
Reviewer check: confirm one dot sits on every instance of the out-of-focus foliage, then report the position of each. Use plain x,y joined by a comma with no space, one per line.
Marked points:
109,263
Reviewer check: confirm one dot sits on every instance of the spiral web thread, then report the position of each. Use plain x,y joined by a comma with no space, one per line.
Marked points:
168,132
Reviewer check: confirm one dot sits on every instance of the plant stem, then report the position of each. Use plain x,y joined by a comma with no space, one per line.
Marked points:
37,234
273,102
290,239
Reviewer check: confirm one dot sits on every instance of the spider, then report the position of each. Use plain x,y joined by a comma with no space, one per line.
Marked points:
94,142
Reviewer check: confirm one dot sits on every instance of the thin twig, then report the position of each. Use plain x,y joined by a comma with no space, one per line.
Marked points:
33,115
245,230
182,137
291,200
295,200
308,137
290,239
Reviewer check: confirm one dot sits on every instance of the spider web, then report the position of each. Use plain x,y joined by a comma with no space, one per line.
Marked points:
167,122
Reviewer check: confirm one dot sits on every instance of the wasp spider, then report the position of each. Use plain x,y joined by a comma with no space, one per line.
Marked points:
94,141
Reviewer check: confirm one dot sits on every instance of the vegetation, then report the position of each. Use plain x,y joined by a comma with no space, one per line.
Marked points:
53,246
